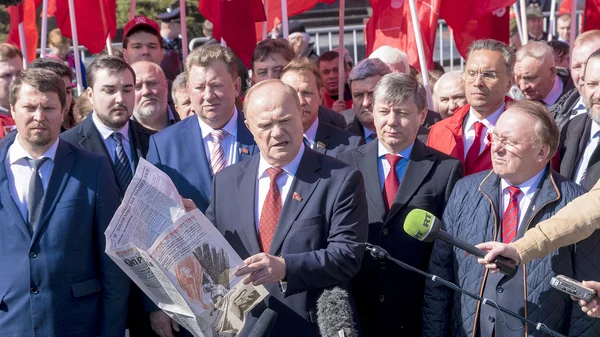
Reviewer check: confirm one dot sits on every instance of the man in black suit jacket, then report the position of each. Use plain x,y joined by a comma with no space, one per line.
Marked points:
579,148
306,79
299,222
388,298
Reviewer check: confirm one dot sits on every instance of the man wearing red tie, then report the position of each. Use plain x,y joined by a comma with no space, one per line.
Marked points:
488,77
501,205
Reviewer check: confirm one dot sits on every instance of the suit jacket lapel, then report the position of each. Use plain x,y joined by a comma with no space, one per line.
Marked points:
195,150
419,165
6,200
304,184
321,137
246,203
246,146
63,162
136,148
367,162
583,140
91,139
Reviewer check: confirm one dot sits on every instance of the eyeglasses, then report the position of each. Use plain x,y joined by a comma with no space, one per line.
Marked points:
505,143
488,76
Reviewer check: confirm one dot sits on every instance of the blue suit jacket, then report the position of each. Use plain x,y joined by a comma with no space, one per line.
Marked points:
320,233
58,281
179,152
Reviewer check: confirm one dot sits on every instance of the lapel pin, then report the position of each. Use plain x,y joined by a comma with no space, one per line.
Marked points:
321,145
243,150
297,197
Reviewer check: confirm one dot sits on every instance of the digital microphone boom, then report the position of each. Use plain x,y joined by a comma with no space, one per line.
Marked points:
425,227
264,324
334,314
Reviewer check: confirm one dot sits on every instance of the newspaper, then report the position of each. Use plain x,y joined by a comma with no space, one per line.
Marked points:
178,258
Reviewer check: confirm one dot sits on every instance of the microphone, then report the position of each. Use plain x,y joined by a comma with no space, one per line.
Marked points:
425,227
264,324
334,315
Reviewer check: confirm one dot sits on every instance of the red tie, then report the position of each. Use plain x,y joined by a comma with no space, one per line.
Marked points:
390,187
270,212
473,152
510,219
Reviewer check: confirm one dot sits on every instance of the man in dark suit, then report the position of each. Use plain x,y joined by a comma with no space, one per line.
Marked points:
56,203
299,222
579,148
194,150
302,75
109,131
401,174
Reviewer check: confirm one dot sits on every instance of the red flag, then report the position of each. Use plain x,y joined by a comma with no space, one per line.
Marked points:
234,21
294,7
473,20
391,24
564,7
591,15
95,20
24,13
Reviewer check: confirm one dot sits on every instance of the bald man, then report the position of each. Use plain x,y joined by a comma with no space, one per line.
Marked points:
307,224
151,95
449,93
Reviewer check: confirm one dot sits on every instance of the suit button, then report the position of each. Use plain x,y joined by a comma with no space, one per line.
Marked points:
34,290
385,231
500,290
32,255
491,319
381,298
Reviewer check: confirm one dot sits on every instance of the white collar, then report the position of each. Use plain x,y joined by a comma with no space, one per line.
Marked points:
230,127
106,132
368,132
528,187
290,168
489,122
382,151
311,133
17,152
579,105
595,128
555,92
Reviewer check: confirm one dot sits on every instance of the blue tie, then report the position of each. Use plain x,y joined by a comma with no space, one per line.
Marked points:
122,167
35,197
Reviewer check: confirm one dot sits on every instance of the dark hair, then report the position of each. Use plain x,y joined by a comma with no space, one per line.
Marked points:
43,80
54,65
560,48
395,88
328,56
9,51
145,29
113,64
268,47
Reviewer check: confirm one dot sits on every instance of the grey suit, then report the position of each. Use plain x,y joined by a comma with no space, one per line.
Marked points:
574,138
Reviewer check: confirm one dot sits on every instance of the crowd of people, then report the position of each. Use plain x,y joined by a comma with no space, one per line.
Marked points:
297,179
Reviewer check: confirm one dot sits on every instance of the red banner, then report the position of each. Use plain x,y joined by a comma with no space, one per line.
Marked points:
24,13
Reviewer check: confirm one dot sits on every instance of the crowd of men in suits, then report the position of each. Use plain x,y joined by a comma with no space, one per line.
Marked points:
297,180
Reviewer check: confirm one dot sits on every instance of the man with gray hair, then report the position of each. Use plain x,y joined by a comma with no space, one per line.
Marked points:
488,77
299,40
449,93
181,97
395,58
151,97
397,158
537,76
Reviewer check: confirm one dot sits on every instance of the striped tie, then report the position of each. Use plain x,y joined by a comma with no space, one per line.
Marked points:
510,219
122,166
217,155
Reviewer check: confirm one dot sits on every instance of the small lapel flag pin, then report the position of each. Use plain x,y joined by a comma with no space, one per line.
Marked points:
297,197
321,145
243,150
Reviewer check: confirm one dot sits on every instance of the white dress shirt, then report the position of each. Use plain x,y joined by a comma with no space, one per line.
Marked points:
469,128
587,154
527,192
384,164
555,92
311,133
579,108
228,143
284,182
111,145
19,173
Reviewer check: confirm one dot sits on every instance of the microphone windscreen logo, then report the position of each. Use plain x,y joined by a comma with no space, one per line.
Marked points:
419,224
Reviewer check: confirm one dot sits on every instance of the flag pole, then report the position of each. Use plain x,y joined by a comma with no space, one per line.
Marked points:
109,45
44,29
525,36
75,47
341,54
518,20
184,39
23,43
421,52
552,25
573,23
284,19
131,9
266,23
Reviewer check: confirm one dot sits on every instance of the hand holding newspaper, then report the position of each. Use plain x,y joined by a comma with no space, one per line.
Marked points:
178,258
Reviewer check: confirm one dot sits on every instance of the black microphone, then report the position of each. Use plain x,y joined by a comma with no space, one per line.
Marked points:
264,324
379,253
334,314
425,227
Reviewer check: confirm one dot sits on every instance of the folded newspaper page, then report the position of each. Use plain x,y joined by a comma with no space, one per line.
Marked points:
178,258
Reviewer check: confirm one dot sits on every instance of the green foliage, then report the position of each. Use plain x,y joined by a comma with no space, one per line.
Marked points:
4,23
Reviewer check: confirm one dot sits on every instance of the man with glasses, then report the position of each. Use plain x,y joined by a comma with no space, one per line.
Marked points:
488,77
501,205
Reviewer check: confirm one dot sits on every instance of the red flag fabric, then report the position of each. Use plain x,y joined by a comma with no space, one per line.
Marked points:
591,15
25,13
234,21
564,7
294,7
391,25
95,20
473,20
